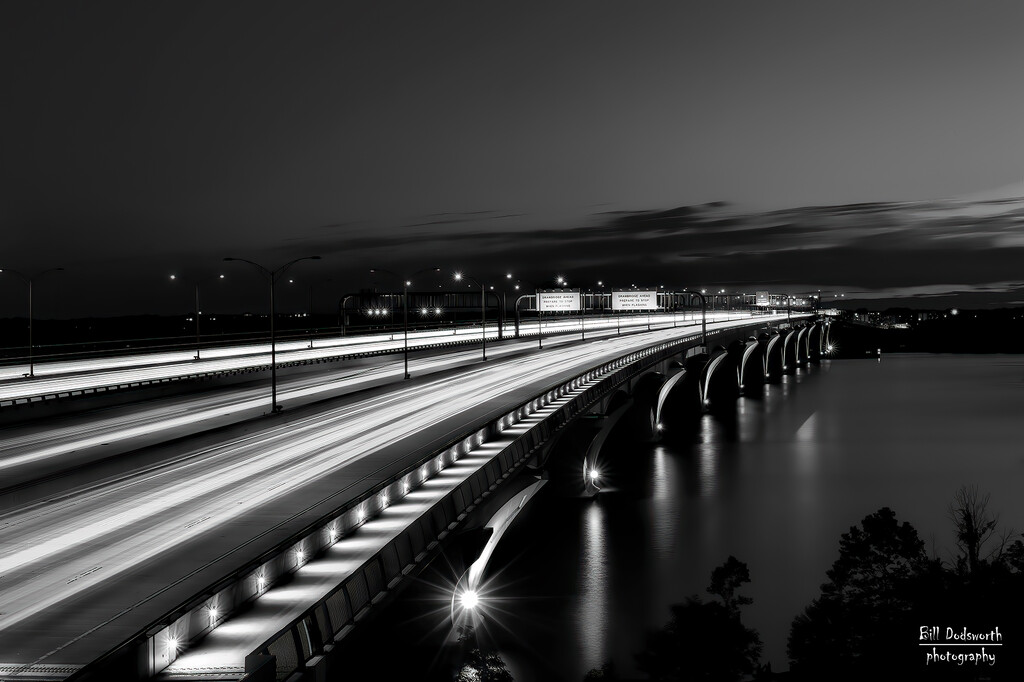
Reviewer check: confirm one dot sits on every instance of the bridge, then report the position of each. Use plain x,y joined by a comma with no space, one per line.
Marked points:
180,538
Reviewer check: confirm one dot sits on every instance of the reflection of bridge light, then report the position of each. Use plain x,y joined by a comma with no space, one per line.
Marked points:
469,599
594,474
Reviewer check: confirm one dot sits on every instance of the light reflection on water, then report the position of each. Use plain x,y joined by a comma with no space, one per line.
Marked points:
775,486
664,503
799,465
595,582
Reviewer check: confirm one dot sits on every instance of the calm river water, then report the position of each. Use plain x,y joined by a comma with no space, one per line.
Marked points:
580,581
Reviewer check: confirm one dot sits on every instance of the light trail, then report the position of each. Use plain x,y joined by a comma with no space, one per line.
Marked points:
22,450
220,500
78,375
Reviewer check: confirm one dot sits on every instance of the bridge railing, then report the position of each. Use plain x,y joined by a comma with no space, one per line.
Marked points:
297,643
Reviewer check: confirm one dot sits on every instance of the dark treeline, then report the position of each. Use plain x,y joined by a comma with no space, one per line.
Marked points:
868,622
968,331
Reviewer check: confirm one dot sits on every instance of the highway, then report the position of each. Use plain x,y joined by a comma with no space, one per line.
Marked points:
32,452
83,569
53,378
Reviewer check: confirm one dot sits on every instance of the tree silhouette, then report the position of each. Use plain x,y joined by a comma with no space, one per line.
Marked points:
705,640
975,525
867,609
726,579
481,667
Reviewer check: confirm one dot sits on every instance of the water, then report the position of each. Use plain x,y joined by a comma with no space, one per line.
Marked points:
580,581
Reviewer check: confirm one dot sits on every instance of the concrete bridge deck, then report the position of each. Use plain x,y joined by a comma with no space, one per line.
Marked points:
88,569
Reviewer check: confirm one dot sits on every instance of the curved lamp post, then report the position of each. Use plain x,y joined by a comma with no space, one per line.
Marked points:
406,281
196,283
274,275
28,280
703,316
483,310
540,322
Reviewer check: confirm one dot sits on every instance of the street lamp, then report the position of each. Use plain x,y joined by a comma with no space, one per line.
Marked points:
483,310
311,328
28,280
703,316
274,275
196,283
405,308
536,296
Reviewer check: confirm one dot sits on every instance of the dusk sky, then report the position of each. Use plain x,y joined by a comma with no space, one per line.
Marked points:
140,139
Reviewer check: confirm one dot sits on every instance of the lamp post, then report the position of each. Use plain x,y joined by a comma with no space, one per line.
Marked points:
536,296
504,307
196,284
405,309
483,310
28,280
311,285
274,275
703,316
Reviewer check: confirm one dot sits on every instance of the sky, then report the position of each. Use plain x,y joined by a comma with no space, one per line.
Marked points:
791,146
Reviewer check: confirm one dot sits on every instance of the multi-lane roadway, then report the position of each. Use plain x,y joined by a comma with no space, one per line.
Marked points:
94,558
68,376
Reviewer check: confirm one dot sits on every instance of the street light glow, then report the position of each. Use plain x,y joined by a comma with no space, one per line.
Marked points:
594,474
469,599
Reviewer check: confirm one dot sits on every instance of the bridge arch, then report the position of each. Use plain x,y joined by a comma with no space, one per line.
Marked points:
801,346
773,361
751,351
815,337
789,352
663,393
717,360
592,459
